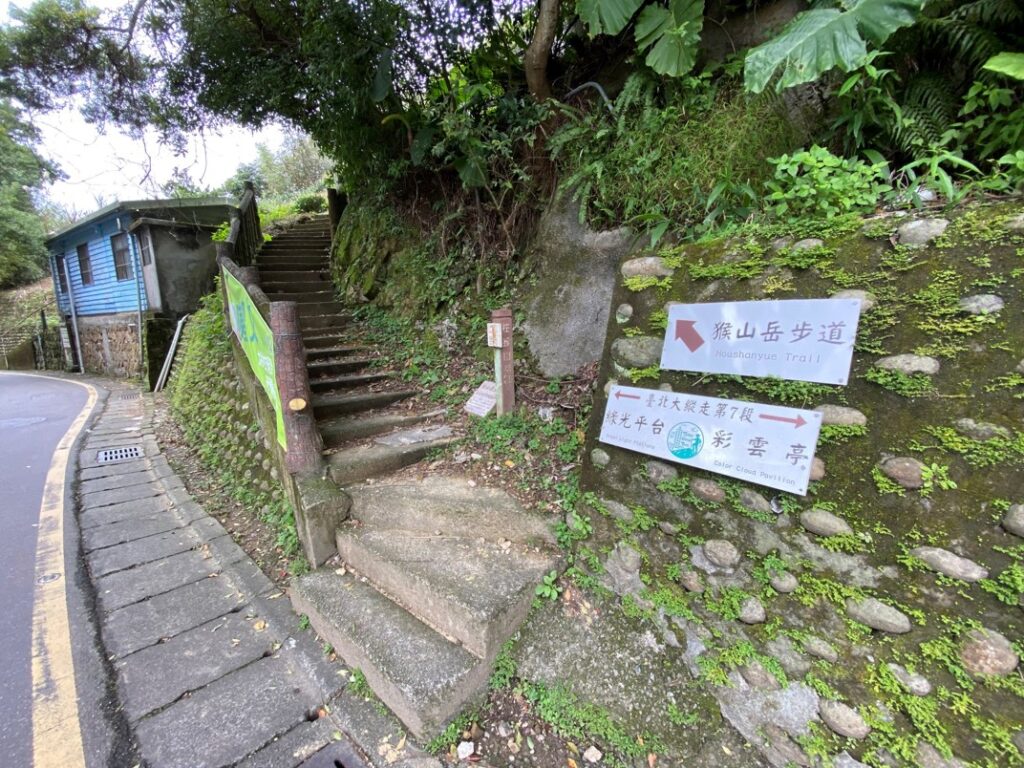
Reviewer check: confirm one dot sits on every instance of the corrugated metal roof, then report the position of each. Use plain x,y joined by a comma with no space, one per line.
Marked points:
137,206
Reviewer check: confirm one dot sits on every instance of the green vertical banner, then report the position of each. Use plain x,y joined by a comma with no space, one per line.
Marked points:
257,342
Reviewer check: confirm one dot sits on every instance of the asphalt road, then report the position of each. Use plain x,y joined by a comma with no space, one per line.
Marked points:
35,413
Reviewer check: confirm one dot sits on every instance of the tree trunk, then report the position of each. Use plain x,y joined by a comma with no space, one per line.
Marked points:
535,60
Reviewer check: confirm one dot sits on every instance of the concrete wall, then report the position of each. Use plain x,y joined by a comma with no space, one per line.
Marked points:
186,262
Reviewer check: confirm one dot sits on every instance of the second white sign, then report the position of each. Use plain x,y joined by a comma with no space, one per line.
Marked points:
764,444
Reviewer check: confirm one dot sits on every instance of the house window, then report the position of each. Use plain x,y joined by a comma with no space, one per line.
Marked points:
84,264
144,247
62,279
122,256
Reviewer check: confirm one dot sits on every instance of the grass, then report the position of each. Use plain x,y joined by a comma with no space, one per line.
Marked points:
19,307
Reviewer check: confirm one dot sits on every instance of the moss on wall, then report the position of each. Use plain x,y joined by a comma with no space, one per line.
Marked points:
210,404
645,523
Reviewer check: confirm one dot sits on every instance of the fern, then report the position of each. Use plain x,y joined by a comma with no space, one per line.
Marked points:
990,13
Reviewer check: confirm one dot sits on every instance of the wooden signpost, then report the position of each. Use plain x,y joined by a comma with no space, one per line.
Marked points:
504,374
500,394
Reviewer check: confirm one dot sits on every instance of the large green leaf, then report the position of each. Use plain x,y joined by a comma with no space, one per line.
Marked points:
814,42
822,39
672,34
1006,63
381,86
606,17
877,19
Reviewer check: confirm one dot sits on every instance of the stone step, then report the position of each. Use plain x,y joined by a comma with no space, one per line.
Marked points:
301,236
335,432
473,590
330,383
297,251
325,406
337,366
315,339
298,276
310,297
298,236
353,465
308,284
323,322
337,350
309,309
451,505
293,255
292,263
422,677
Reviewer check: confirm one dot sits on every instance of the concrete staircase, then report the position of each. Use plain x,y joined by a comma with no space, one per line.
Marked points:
439,574
362,410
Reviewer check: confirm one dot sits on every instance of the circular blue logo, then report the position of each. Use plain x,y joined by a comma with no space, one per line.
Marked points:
685,440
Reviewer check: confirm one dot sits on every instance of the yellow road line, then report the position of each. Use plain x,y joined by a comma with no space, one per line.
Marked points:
56,732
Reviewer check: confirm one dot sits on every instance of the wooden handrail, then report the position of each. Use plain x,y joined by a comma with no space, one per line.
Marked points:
245,236
304,454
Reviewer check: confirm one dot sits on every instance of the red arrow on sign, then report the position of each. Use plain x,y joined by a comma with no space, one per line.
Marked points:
620,394
797,422
690,337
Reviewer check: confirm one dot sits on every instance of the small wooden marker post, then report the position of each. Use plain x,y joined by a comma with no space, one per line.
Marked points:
499,336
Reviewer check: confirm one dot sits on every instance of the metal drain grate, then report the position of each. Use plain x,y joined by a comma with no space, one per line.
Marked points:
124,453
130,396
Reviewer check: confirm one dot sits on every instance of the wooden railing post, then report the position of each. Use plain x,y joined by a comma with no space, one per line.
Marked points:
305,446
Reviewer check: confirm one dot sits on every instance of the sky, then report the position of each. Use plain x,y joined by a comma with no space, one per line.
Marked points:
103,167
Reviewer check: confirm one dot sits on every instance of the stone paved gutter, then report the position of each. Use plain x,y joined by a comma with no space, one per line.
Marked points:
211,667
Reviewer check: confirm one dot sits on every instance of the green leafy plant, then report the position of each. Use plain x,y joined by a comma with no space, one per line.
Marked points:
1007,63
310,204
548,589
936,476
220,235
816,182
907,385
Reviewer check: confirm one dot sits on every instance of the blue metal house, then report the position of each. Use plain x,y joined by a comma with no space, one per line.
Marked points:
125,273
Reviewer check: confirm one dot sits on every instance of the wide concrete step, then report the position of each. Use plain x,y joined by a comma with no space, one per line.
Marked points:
325,406
451,505
346,381
354,465
475,591
335,432
423,678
